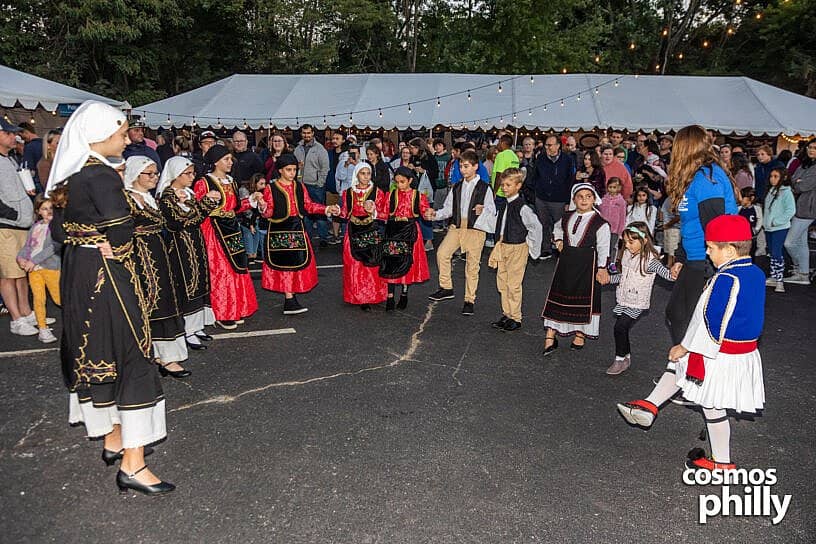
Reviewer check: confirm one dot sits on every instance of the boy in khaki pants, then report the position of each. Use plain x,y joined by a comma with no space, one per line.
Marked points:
472,213
518,234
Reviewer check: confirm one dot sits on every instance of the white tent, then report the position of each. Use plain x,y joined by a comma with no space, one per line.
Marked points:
731,105
32,91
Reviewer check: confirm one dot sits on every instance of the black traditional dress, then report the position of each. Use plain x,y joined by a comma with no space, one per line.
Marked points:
156,279
188,256
574,300
106,344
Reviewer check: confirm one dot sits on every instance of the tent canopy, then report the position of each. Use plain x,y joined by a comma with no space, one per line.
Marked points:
32,91
730,105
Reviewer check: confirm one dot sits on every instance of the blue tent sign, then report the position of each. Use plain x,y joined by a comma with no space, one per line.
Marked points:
65,110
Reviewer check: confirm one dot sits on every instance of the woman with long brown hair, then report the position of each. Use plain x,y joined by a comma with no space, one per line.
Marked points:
700,189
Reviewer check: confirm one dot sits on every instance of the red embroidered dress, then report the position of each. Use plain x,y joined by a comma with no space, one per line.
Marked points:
232,294
289,265
361,246
405,207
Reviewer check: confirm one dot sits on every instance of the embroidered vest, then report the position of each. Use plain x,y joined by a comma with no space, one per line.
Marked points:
281,203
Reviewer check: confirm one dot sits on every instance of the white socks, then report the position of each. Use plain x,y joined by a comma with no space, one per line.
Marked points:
193,339
664,390
719,434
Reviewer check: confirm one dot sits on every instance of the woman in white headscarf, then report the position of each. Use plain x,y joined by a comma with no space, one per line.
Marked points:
363,205
183,215
153,267
115,389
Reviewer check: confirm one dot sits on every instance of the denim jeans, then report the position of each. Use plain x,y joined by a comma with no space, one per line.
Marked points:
776,240
251,241
426,229
318,196
797,244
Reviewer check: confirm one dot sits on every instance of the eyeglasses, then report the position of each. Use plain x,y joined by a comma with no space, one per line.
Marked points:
187,174
150,174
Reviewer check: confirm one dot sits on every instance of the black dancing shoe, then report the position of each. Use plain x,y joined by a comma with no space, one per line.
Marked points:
511,325
128,481
195,347
403,302
577,347
365,307
204,336
178,374
110,457
553,347
441,294
389,304
499,323
291,306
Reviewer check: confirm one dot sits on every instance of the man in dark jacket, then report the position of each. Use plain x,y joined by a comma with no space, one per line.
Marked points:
138,146
552,180
247,163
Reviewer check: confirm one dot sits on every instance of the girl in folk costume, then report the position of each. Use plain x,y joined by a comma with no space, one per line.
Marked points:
105,351
574,301
716,364
153,267
289,266
639,264
362,204
403,260
188,254
231,291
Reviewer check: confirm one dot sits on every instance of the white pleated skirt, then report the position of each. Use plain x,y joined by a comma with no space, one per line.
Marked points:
140,427
198,320
731,382
170,351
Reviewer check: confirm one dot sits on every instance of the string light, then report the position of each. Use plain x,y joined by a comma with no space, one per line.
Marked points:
438,102
597,90
657,68
665,32
730,31
379,113
297,121
324,118
545,109
501,120
351,118
597,59
562,103
53,112
500,88
680,56
469,97
758,16
532,80
514,116
564,70
617,83
218,124
245,123
409,107
632,46
705,43
168,119
578,98
531,111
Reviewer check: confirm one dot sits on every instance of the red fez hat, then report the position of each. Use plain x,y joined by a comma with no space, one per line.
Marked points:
728,228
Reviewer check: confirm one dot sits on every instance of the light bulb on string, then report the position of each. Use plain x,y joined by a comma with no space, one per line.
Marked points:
194,121
665,32
758,16
53,112
438,102
515,116
617,83
637,76
597,90
245,123
680,56
597,59
218,123
469,97
297,121
562,103
32,120
532,80
578,98
501,120
657,68
168,119
545,109
530,112
730,31
564,70
379,113
324,119
705,43
632,46
351,118
409,107
500,88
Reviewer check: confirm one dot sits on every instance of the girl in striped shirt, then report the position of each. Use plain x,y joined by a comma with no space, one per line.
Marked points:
639,265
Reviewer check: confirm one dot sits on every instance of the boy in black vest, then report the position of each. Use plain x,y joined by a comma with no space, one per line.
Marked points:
472,213
518,233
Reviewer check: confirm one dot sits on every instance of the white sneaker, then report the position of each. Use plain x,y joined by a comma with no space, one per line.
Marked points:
780,287
21,327
798,278
46,336
31,319
771,282
490,243
429,245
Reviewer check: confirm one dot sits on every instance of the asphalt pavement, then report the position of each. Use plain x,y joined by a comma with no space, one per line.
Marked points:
420,425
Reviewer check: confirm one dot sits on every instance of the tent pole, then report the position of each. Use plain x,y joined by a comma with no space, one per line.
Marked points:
515,138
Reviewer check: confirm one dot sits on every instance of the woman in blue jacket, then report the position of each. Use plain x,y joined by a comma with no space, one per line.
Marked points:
702,190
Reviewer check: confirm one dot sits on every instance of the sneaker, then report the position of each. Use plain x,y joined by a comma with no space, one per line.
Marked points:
334,240
771,282
441,294
545,255
511,325
21,327
31,319
705,463
4,310
490,243
499,323
46,336
780,287
227,324
291,306
429,245
798,278
439,229
618,366
638,412
467,309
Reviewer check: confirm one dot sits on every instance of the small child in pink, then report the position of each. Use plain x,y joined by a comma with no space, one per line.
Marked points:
613,209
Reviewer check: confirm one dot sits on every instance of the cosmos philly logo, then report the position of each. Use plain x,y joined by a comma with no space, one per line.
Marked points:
743,493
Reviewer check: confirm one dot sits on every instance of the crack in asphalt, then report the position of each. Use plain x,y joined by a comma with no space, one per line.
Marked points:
405,357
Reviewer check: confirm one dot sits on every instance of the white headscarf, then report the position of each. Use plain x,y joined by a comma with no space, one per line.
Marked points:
134,166
92,122
580,187
172,169
361,166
